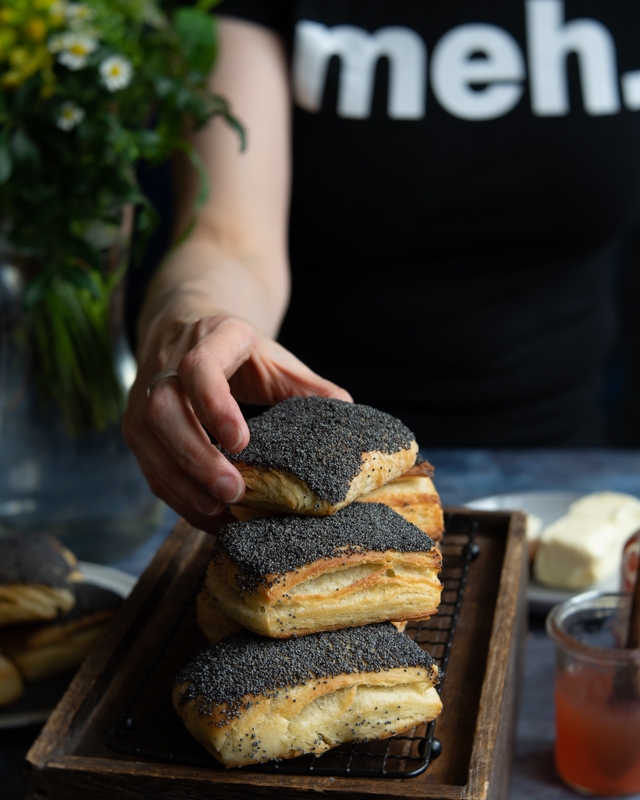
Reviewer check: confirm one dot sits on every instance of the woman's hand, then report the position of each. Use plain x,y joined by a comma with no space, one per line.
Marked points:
220,359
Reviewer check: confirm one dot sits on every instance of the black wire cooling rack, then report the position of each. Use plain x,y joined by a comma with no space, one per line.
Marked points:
150,728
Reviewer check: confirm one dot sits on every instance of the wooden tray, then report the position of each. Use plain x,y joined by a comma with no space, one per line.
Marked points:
71,760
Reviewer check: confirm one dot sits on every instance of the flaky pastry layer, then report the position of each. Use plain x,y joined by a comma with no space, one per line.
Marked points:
11,686
328,594
56,657
212,621
415,498
51,649
280,491
315,716
215,624
31,602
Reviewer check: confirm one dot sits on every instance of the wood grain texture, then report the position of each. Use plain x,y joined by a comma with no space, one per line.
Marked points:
70,759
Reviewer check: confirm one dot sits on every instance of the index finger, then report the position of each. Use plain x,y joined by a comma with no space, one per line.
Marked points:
205,371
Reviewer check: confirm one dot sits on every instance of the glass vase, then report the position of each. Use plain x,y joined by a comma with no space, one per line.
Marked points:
86,489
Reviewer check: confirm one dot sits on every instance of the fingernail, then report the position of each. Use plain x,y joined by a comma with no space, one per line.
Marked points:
230,436
208,505
228,489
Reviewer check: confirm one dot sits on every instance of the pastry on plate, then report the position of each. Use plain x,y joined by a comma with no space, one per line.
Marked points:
315,455
289,575
11,685
42,651
250,699
37,575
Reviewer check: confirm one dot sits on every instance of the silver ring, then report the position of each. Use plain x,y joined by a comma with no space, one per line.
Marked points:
169,372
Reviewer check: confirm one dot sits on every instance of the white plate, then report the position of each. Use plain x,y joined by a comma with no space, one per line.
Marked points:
549,506
40,699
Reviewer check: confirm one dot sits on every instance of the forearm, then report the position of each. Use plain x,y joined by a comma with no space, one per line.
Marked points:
203,278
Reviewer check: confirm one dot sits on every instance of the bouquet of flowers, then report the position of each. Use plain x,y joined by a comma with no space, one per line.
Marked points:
88,89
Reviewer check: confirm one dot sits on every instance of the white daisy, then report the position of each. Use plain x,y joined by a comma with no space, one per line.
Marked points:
57,9
78,12
56,43
116,72
76,49
70,116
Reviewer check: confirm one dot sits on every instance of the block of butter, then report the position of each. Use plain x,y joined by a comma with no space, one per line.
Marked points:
585,546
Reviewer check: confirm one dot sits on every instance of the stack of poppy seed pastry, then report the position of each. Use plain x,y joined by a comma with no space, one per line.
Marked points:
335,542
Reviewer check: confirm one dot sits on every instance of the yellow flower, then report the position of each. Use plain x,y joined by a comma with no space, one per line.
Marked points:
48,82
35,29
19,57
7,40
57,12
24,63
78,12
8,16
12,79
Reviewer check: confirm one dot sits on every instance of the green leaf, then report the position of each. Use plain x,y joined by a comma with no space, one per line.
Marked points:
25,150
89,280
36,290
197,30
203,175
6,163
207,5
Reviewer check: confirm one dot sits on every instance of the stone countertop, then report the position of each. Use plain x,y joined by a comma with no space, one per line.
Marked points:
462,476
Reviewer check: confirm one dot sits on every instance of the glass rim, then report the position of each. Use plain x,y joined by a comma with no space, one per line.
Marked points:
587,652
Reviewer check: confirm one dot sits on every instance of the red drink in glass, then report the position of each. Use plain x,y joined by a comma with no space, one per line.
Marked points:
597,736
597,697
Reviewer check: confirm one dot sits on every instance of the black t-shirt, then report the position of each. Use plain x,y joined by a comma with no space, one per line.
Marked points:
464,173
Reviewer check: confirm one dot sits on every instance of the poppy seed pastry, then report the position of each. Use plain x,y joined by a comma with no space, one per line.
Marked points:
37,575
292,575
11,685
42,651
315,455
413,496
250,699
215,624
212,621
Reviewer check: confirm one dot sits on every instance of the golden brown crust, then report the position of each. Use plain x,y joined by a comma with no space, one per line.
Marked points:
313,717
31,602
11,686
414,497
421,468
212,621
280,492
215,624
412,494
56,658
346,591
51,649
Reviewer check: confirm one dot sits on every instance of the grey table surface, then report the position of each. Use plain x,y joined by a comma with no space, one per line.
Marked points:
462,476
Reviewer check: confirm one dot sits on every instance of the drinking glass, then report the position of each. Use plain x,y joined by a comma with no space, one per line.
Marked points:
597,696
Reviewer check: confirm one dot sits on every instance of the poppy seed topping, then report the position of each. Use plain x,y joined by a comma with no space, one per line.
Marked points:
273,546
33,558
321,441
247,664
